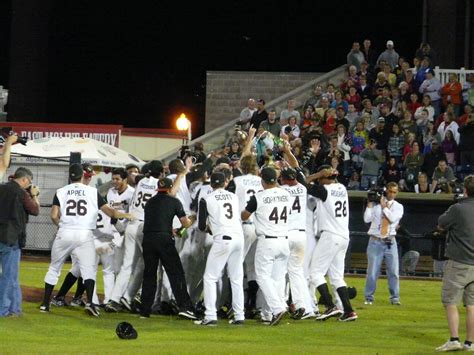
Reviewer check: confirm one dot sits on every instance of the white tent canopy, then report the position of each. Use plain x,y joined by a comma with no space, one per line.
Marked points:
92,151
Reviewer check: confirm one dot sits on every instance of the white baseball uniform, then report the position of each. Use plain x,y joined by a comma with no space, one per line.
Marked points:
333,223
79,206
297,244
133,256
222,211
271,207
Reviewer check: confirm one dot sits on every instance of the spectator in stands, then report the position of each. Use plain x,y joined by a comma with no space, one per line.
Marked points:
321,111
432,159
442,117
431,87
355,56
398,70
396,141
407,125
367,121
390,118
260,115
315,98
380,135
339,101
6,152
422,186
235,151
425,105
390,56
391,172
384,98
400,110
449,124
422,121
420,75
364,89
330,92
341,118
380,84
360,140
288,112
371,110
468,90
367,72
353,98
414,104
372,159
410,138
271,124
451,93
354,181
329,126
467,112
369,54
450,148
333,150
199,152
344,142
429,136
410,80
292,130
413,163
404,68
352,116
391,78
425,50
443,177
416,66
247,112
395,96
466,144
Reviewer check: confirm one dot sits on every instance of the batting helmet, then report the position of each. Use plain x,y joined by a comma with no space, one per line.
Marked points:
352,291
125,330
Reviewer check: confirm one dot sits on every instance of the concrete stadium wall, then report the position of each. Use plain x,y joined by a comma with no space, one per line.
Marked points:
227,92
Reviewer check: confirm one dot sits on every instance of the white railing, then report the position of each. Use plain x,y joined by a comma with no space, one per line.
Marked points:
443,74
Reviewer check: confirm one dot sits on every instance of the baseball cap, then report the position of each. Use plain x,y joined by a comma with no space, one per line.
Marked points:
164,184
390,43
381,119
75,171
429,71
326,167
261,101
217,179
268,175
125,330
88,170
288,174
155,167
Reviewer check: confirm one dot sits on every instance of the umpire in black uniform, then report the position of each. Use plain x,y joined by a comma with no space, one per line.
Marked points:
159,245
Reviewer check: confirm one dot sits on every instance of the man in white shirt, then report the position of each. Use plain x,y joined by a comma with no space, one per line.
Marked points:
288,112
384,218
431,87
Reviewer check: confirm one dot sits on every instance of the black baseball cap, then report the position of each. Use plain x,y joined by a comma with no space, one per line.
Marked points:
75,171
164,184
217,179
88,170
269,175
288,174
326,167
155,167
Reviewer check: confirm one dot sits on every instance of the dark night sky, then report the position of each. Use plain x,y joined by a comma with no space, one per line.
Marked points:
142,64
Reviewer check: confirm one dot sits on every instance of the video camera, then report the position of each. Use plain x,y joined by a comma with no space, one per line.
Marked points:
185,152
376,193
5,132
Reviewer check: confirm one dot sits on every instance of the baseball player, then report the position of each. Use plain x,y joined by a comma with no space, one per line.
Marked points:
271,208
297,241
246,186
330,251
75,208
133,257
221,210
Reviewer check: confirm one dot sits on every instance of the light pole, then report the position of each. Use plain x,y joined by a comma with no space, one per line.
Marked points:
184,124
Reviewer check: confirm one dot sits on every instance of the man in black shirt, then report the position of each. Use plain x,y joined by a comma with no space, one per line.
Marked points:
260,115
159,245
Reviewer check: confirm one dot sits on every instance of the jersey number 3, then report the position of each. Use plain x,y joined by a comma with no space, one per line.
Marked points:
76,208
341,209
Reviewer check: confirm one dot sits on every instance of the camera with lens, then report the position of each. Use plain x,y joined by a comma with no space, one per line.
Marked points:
375,194
185,152
8,131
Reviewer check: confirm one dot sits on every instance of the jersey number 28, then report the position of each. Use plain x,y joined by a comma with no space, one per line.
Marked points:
341,209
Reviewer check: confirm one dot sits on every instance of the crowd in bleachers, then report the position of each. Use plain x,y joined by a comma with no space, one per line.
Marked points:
389,119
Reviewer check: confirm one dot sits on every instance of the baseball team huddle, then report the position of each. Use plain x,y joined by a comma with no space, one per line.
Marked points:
281,231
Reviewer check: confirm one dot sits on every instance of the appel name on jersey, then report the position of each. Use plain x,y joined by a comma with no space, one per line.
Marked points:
76,193
272,199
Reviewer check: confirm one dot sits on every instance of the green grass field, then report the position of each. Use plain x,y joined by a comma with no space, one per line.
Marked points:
418,326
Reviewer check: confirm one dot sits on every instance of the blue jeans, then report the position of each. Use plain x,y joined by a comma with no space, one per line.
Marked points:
378,251
10,291
368,181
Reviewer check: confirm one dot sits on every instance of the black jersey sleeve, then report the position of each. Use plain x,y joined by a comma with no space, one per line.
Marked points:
252,204
100,200
179,209
202,221
56,200
319,191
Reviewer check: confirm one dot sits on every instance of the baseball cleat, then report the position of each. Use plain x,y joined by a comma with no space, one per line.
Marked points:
206,322
348,317
450,346
77,302
236,322
126,304
298,314
309,315
91,310
277,318
59,302
44,308
113,307
187,314
330,312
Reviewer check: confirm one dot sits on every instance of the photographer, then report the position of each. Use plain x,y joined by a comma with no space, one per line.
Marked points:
5,159
458,279
384,218
16,205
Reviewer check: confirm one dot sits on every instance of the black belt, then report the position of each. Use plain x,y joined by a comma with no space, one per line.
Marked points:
226,237
273,237
247,222
299,230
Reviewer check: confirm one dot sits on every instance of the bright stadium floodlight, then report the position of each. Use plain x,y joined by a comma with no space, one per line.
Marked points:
184,124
